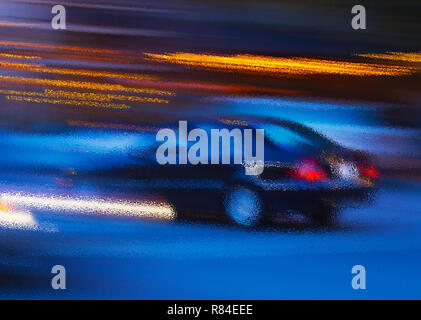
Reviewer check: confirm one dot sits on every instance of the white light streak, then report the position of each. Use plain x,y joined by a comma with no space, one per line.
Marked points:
154,210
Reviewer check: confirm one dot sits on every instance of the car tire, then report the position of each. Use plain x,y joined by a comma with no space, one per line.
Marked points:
244,206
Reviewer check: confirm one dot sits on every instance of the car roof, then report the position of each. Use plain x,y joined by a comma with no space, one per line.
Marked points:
257,123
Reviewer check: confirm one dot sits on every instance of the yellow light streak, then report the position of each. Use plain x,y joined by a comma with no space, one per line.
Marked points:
75,72
85,96
17,56
69,102
82,85
4,207
234,122
275,65
396,56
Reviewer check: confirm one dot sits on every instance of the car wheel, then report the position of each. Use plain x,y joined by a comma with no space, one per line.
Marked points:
244,206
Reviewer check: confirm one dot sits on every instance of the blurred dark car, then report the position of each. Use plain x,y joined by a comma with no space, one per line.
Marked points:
305,176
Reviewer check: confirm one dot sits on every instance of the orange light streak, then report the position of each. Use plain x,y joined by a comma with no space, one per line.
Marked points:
65,48
275,65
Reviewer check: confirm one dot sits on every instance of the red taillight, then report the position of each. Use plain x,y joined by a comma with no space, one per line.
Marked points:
309,170
368,171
